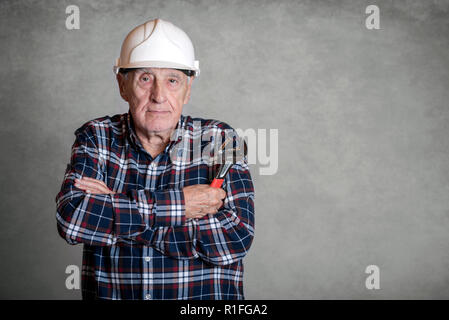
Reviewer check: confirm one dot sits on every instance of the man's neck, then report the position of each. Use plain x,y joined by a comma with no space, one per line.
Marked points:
155,142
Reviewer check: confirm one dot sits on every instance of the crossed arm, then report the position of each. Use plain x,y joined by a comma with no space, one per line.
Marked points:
200,199
187,223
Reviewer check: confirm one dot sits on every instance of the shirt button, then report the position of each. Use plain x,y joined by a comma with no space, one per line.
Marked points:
147,259
148,297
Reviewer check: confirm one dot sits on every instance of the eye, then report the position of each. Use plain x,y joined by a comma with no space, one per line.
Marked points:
145,78
173,81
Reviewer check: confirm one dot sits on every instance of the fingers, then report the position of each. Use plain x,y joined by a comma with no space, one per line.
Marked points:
216,197
199,210
219,193
92,182
91,185
202,199
88,184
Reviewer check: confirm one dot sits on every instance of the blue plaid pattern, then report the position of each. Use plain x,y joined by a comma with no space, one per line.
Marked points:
138,243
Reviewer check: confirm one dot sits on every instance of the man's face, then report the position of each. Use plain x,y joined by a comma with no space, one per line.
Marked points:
155,96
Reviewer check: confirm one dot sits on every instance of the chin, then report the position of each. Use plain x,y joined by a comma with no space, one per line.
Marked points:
158,125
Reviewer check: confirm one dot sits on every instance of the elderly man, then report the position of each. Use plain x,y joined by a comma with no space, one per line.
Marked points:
152,225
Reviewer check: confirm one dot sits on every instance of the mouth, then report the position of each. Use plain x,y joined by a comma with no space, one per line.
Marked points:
158,111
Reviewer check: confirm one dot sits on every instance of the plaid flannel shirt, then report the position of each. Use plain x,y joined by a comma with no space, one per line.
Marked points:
138,243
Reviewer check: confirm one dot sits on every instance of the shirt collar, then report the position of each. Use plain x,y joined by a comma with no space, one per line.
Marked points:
175,138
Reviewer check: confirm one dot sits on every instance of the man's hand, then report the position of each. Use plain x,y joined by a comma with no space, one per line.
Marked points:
91,185
202,199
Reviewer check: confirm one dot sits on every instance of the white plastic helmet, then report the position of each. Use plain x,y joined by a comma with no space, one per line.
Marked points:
158,44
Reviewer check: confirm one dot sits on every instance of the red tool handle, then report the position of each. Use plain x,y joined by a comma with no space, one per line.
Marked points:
217,183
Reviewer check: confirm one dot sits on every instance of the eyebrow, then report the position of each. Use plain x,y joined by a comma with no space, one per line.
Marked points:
171,74
144,71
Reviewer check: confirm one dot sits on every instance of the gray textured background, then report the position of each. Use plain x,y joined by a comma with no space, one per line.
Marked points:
363,124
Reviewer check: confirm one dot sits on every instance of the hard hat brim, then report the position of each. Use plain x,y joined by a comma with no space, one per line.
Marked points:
155,64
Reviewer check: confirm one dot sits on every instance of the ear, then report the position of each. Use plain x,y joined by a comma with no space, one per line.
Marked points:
122,86
189,87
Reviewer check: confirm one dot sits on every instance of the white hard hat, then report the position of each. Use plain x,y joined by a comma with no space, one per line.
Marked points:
158,44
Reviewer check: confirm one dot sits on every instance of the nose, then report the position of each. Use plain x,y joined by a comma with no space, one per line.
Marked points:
157,93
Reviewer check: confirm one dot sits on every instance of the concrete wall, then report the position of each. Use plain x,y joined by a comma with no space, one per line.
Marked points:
362,119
